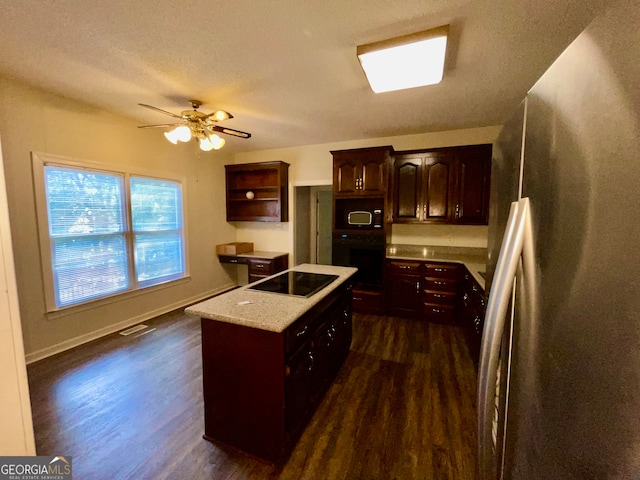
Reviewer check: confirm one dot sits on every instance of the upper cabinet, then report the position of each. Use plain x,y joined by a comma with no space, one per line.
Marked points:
361,171
257,192
444,185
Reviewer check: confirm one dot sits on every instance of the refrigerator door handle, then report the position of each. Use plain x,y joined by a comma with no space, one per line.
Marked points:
510,254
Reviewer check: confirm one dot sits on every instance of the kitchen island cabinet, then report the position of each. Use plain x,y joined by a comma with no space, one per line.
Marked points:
268,358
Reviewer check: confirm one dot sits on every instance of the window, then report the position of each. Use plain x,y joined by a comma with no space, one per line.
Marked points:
107,232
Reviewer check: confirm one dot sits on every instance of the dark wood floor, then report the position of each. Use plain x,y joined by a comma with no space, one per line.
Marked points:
402,407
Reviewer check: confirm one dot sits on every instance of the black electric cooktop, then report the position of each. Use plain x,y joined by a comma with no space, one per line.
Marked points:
301,284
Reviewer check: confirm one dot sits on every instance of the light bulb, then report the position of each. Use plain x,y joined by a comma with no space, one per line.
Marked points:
172,136
221,115
206,145
183,133
217,142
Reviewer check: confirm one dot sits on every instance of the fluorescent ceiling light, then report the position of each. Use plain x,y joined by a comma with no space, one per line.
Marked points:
410,61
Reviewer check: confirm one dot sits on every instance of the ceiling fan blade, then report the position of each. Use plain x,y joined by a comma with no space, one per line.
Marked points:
159,110
229,131
218,116
164,125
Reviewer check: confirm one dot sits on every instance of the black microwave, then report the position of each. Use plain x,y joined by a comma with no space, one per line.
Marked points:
364,219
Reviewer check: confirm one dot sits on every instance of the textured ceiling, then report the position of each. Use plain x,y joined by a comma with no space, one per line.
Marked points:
286,69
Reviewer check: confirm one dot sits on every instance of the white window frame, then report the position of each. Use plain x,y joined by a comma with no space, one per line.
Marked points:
39,161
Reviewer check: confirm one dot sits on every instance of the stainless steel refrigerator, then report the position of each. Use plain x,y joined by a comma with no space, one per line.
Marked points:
559,379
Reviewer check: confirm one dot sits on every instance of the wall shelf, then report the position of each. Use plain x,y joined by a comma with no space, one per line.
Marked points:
257,192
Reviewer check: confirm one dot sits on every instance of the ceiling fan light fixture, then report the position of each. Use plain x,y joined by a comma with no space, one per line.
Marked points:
197,125
206,145
181,133
409,61
211,142
171,136
221,115
218,142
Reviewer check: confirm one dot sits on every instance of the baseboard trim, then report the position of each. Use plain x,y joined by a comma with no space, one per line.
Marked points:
108,330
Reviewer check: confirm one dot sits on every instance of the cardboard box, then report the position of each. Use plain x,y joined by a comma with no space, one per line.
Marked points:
234,248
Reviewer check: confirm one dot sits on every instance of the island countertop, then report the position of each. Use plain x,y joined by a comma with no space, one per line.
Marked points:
265,310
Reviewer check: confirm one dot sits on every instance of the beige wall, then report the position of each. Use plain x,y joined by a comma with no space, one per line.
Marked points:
35,121
313,165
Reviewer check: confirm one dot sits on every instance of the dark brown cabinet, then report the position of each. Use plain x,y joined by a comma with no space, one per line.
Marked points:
257,192
258,267
473,309
440,287
261,387
445,185
423,290
403,287
361,171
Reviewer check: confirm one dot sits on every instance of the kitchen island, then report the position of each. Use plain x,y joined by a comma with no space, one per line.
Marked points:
268,359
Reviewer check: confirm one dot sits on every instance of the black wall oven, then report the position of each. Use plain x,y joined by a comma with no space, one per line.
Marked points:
366,252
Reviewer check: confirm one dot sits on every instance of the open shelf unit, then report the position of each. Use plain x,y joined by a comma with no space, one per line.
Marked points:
257,192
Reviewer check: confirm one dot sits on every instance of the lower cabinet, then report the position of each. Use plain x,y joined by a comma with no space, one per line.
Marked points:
472,311
423,290
440,292
261,387
403,287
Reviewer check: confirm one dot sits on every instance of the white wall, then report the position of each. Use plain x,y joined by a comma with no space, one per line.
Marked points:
16,426
313,165
33,120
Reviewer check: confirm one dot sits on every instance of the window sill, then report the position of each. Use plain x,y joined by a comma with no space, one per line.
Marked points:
112,299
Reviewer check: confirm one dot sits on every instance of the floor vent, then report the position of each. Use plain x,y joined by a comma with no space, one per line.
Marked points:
131,330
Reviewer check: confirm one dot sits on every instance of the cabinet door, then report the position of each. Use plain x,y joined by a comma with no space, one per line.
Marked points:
299,374
474,169
407,189
404,295
438,180
373,176
346,176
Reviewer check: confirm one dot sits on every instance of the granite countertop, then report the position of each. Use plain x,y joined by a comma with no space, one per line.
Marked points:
267,311
475,259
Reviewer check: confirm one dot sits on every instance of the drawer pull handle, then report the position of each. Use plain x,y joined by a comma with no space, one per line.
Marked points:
439,269
302,332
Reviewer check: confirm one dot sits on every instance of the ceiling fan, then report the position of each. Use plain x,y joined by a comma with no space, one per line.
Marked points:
198,125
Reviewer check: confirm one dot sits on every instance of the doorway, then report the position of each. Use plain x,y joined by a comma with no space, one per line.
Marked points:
313,224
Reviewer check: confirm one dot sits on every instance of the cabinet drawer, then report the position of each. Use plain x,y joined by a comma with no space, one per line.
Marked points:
255,277
261,267
232,259
442,270
434,283
439,313
367,301
439,297
403,267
